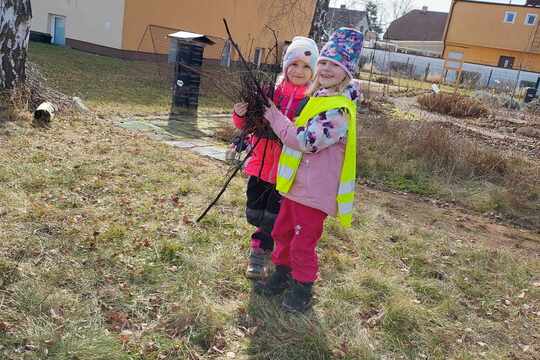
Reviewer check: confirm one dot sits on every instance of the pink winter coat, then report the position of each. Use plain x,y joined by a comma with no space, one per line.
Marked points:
287,98
322,142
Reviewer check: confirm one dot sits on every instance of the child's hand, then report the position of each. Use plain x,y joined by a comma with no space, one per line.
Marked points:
240,109
270,111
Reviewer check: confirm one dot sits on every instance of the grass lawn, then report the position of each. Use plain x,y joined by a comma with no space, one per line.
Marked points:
113,86
99,259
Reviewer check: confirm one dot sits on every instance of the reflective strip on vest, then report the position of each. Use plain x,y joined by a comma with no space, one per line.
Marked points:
291,152
345,208
346,187
285,172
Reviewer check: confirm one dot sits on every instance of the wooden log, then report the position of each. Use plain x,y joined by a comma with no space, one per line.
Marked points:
44,113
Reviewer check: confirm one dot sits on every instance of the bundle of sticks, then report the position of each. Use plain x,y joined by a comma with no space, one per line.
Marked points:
257,90
257,103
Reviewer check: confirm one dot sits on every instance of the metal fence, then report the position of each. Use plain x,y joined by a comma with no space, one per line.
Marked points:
428,70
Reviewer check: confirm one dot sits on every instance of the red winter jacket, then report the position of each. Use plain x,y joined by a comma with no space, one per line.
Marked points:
287,98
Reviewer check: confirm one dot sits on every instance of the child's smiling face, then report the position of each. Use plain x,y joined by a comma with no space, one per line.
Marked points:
299,73
330,74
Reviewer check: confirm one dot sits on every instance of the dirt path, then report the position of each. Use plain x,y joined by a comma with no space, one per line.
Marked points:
458,223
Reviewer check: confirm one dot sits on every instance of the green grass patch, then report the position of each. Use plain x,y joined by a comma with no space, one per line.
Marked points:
111,86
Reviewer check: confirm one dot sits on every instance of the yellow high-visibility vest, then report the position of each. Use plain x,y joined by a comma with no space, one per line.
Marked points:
290,159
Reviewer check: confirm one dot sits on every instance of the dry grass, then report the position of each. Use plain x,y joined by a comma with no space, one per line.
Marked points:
430,159
226,133
384,80
13,106
434,78
99,259
453,104
112,86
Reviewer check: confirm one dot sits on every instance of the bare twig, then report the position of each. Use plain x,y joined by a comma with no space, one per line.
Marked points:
244,62
238,167
276,42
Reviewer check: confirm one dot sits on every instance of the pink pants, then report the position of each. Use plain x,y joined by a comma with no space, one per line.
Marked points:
296,233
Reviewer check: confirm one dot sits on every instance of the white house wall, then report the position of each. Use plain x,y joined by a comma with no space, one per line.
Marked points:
99,22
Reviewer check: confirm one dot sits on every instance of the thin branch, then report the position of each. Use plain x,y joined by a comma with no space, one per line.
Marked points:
244,62
238,167
277,42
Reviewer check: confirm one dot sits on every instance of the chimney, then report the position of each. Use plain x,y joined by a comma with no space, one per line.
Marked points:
424,9
343,6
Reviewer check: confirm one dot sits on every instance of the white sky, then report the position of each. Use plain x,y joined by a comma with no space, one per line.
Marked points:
435,5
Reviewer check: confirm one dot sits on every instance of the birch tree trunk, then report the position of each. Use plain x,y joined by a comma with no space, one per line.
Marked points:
317,32
15,16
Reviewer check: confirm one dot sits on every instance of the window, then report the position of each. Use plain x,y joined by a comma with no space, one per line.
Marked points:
530,19
226,56
510,17
506,62
257,58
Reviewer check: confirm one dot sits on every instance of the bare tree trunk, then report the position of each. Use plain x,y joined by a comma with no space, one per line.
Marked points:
15,16
318,22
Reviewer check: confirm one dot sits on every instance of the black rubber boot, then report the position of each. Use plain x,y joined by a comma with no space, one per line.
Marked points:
298,298
277,283
258,264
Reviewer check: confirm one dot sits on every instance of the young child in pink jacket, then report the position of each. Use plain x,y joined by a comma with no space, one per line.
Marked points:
263,201
317,169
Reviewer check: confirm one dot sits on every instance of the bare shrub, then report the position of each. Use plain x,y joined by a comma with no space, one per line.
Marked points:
533,107
488,98
439,149
453,105
384,80
422,156
402,68
451,155
509,102
13,104
470,78
369,67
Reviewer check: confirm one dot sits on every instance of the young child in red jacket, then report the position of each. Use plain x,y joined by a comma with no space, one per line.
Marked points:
263,200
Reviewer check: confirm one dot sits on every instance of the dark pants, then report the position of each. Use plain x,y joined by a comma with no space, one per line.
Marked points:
262,209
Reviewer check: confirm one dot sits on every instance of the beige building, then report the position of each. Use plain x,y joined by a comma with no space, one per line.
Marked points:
494,34
133,28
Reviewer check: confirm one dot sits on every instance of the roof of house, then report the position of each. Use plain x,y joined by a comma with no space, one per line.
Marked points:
189,36
418,25
339,17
